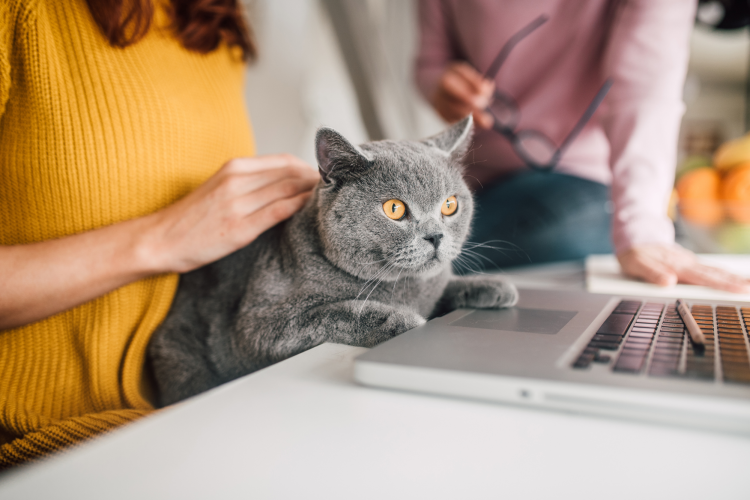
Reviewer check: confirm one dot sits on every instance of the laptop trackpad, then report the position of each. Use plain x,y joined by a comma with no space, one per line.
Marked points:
517,319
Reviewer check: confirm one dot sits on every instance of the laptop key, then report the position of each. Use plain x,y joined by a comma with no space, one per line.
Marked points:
628,365
616,324
640,335
610,346
639,340
670,329
583,361
607,338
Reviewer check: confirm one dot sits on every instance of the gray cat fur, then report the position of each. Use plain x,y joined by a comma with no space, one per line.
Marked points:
338,271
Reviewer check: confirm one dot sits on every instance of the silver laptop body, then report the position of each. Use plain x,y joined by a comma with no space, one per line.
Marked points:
628,357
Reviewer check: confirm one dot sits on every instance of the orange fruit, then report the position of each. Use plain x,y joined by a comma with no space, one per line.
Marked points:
735,192
691,163
699,196
732,153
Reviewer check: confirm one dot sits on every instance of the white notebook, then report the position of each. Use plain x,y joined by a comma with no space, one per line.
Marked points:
603,275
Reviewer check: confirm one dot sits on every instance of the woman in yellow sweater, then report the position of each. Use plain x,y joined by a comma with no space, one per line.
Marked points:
124,159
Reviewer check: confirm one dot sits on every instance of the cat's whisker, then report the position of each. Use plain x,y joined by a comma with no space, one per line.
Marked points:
501,251
478,256
512,246
467,265
359,270
380,274
365,264
469,247
461,266
465,253
471,265
477,261
384,270
380,280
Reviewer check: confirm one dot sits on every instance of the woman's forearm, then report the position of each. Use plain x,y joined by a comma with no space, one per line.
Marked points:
41,279
243,199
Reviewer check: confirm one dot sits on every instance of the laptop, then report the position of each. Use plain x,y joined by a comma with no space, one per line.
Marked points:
627,357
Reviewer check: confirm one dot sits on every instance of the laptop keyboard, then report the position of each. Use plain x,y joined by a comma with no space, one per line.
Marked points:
650,338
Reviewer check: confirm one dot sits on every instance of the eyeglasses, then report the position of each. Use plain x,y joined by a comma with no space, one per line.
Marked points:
532,146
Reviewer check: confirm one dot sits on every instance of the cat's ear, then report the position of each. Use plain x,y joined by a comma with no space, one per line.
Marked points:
456,140
337,157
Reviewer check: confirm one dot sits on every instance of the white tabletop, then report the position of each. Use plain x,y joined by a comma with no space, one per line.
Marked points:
303,429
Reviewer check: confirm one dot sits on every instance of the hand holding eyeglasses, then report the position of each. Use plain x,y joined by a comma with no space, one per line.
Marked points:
463,91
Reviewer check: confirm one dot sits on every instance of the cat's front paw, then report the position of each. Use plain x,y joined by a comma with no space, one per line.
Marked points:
402,321
488,293
396,323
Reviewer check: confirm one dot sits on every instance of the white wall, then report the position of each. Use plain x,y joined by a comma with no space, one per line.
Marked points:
299,82
715,87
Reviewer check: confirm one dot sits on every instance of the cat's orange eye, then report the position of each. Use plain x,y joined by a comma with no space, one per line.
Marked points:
449,206
394,209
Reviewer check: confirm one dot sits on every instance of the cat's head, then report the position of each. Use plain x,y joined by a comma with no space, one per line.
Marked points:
393,208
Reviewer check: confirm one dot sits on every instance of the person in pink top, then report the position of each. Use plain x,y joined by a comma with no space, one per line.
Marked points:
578,106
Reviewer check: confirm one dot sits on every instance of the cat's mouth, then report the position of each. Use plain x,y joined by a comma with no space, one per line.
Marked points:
428,262
411,261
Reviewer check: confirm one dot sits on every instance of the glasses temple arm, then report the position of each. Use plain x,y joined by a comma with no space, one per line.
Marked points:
586,116
503,55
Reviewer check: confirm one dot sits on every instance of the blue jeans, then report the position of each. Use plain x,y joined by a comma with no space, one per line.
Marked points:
540,217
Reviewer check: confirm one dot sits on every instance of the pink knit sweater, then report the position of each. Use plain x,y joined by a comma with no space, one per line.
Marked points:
553,74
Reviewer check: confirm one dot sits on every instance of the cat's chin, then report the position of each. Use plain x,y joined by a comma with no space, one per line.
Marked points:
428,269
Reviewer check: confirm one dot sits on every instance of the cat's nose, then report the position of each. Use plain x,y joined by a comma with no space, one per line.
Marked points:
434,239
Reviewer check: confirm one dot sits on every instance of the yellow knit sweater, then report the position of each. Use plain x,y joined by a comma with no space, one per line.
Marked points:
91,135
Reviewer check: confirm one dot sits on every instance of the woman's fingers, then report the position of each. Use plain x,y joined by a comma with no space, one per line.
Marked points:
483,119
666,265
264,162
240,184
639,265
459,84
715,278
462,91
273,213
480,88
449,108
282,189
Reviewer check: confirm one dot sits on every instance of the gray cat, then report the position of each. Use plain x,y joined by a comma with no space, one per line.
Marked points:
369,257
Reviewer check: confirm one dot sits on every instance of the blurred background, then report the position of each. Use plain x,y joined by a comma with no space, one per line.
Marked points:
344,64
347,64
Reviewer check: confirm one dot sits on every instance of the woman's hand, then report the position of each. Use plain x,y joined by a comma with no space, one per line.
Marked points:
243,199
462,91
667,265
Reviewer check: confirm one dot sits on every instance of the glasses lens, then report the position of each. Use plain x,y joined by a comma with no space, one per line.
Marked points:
535,148
505,111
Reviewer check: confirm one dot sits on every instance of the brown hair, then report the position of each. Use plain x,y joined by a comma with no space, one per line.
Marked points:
200,25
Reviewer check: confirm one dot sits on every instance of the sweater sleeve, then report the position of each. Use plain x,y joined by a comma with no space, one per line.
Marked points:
436,45
6,46
647,59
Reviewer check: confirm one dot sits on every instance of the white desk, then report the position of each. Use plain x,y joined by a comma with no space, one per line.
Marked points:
303,429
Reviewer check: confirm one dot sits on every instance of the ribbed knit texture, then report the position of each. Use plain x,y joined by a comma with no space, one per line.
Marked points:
91,135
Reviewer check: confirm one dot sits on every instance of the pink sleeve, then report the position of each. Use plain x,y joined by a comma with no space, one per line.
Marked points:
436,47
647,59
